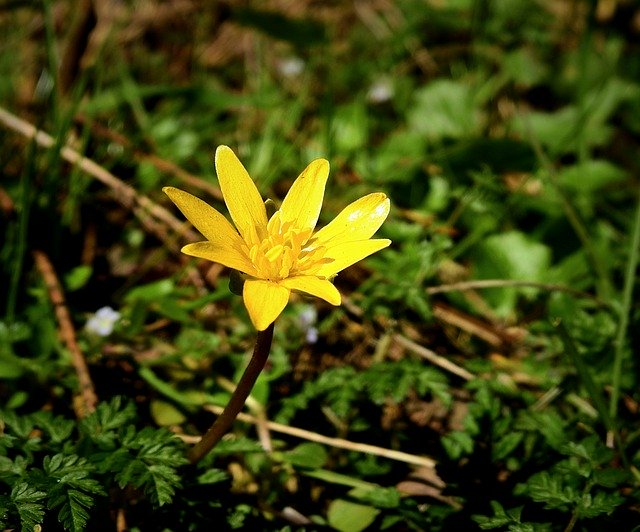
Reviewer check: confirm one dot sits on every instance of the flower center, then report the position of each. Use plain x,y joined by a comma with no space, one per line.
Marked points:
283,252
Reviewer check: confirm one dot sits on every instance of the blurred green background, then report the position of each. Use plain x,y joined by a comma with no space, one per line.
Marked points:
496,337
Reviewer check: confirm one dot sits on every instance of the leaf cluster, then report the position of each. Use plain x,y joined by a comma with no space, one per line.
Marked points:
343,389
53,466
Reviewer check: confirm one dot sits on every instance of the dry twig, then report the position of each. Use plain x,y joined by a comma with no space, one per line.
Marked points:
141,205
505,283
67,333
325,440
434,358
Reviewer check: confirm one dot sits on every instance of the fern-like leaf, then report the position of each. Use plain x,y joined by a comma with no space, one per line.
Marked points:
28,502
102,425
72,490
148,459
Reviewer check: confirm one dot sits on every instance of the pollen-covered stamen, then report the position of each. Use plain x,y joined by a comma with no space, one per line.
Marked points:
284,251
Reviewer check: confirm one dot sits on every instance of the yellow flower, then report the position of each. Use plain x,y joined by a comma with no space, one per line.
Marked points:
282,253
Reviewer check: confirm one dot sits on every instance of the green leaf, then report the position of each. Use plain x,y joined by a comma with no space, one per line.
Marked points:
499,155
444,109
590,176
377,496
151,292
56,427
10,367
347,516
457,444
349,127
212,476
165,414
29,503
548,488
308,454
78,277
600,503
148,459
506,445
237,445
511,255
398,159
101,425
500,517
71,489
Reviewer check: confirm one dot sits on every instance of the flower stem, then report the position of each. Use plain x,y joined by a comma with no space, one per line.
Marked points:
239,396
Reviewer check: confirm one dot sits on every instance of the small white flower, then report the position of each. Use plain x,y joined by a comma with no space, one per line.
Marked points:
102,322
290,67
307,319
380,91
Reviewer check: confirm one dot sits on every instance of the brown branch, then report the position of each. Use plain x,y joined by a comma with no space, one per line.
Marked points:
67,333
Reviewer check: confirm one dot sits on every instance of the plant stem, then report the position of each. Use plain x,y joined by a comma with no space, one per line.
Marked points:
625,310
239,396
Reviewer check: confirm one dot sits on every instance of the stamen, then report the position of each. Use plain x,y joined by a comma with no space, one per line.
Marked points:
284,251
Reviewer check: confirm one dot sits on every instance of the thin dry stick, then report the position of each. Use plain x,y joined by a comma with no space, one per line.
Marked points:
432,357
468,324
124,193
325,440
161,164
504,283
67,333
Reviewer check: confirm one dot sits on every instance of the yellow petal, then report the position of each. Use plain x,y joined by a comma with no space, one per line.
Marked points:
213,225
316,287
265,301
225,255
358,221
303,201
346,254
243,200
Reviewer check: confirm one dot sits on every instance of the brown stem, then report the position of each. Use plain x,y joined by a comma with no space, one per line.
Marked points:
68,333
239,396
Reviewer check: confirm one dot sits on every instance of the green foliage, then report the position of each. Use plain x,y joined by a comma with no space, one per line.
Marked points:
70,489
71,466
505,134
341,388
28,503
583,483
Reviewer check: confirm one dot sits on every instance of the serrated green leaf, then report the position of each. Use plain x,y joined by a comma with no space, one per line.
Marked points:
101,425
600,503
55,427
148,459
29,503
457,444
549,489
74,509
506,445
